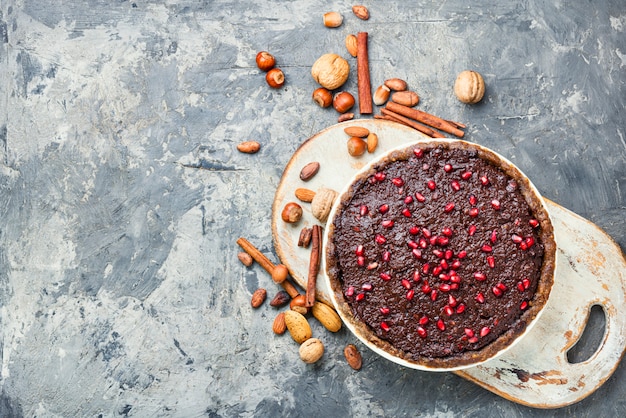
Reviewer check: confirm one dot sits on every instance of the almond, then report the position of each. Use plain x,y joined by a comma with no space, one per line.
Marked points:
309,170
361,12
351,43
249,147
279,327
381,95
372,142
311,350
280,299
245,259
406,98
327,316
396,84
258,297
353,356
298,326
305,195
357,131
345,116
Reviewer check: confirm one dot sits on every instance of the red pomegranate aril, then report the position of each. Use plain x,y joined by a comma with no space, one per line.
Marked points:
420,197
414,230
530,241
452,301
455,185
520,286
350,291
466,175
408,200
367,287
473,200
380,239
422,332
432,240
385,310
438,253
491,261
386,256
423,320
431,184
448,254
486,248
461,308
443,241
455,279
426,288
444,287
454,286
523,305
416,276
384,326
516,238
526,282
412,244
360,296
533,222
385,276
359,250
495,203
469,332
387,223
480,276
426,233
379,176
471,230
444,264
410,294
484,331
501,286
397,181
473,340
494,236
437,270
419,153
406,212
363,210
448,310
447,168
484,180
496,291
480,298
360,261
523,246
456,264
423,243
433,295
462,254
449,207
441,325
406,284
417,253
383,208
473,212
444,277
426,268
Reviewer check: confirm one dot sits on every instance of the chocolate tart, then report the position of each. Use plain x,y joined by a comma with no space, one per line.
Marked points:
439,255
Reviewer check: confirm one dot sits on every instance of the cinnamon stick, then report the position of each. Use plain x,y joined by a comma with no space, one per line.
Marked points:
363,74
415,125
314,265
425,118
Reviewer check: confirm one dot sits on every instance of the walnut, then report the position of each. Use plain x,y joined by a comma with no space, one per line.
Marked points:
469,87
330,71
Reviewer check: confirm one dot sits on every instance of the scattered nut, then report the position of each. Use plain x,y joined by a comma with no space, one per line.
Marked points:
275,78
292,213
343,101
356,146
332,19
396,84
326,316
345,116
353,356
298,326
381,95
323,97
279,327
361,12
265,61
330,71
245,258
258,297
311,350
469,87
322,203
298,304
359,131
304,240
406,98
351,43
249,147
372,142
309,170
280,299
304,195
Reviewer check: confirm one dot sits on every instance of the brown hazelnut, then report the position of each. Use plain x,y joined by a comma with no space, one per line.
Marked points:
292,213
343,101
333,19
323,97
356,146
265,61
330,71
469,87
275,78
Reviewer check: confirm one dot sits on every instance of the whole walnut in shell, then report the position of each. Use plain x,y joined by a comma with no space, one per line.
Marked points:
330,71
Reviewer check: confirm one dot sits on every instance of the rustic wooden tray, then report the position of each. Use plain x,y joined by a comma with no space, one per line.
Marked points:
591,270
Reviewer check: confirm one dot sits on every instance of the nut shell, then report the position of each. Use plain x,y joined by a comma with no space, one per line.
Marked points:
322,203
298,326
469,87
311,350
356,146
381,95
406,98
353,356
330,71
343,101
332,19
351,44
326,316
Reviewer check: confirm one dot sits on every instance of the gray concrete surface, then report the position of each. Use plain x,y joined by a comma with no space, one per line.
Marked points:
122,193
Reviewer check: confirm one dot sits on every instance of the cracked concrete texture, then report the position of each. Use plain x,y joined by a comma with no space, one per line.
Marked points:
122,192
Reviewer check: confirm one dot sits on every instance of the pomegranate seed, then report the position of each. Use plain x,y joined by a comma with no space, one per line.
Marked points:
449,207
360,261
472,200
486,248
423,320
386,256
466,175
462,254
523,246
530,241
359,250
385,310
417,253
431,184
447,168
455,185
372,266
422,243
534,223
412,244
367,287
484,180
526,282
385,276
523,305
447,231
437,270
410,294
419,197
480,298
444,277
408,200
484,331
455,279
380,239
426,268
443,241
414,230
397,181
384,326
416,276
516,238
444,264
472,230
426,288
511,186
441,325
469,332
496,291
448,310
360,297
421,332
380,176
520,286
363,210
473,340
406,212
419,153
406,284
444,287
387,223
481,277
495,203
350,291
501,286
383,208
452,301
473,212
456,264
461,308
454,286
448,254
433,240
433,295
494,236
438,253
426,232
491,262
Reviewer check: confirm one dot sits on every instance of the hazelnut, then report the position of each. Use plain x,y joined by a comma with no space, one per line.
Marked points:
330,71
292,213
381,95
356,146
265,61
333,19
323,97
469,87
275,78
343,101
